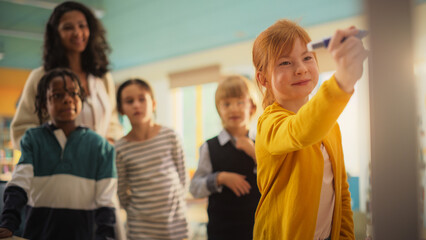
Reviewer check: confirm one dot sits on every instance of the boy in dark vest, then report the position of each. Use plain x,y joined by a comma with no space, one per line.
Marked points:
227,167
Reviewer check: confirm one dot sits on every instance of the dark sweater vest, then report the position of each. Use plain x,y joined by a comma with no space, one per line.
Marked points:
231,217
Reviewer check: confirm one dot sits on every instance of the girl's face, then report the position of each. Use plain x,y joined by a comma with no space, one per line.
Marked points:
74,31
294,76
63,100
236,112
137,104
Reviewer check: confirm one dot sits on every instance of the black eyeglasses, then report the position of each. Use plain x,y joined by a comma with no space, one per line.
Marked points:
60,96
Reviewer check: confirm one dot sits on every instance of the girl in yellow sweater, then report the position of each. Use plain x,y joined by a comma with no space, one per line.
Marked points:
301,172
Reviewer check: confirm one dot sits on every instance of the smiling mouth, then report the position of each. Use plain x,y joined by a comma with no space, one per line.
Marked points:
303,82
78,43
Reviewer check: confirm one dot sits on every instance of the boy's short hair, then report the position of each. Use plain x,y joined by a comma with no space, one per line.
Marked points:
235,86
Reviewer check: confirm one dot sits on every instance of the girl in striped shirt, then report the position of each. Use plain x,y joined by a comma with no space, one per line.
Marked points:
151,169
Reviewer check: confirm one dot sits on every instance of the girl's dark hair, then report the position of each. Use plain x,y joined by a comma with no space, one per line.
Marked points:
144,84
93,59
43,86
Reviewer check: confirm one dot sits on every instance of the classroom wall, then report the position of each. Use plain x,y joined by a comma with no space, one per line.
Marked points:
12,82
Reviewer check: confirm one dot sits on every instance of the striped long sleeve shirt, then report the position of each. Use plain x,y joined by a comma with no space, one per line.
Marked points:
151,186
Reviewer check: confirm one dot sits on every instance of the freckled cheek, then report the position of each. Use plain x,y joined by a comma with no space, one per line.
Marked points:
315,78
313,69
279,84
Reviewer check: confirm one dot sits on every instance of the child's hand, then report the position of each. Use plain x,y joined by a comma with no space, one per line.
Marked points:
247,145
349,56
4,233
234,181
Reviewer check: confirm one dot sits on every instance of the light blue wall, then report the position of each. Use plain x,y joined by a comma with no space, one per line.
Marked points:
189,123
211,120
142,31
150,31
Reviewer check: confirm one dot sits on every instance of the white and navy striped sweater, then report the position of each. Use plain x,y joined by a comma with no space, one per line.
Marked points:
151,186
67,183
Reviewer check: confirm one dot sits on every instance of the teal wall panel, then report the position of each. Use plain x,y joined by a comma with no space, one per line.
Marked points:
142,31
146,31
189,123
211,120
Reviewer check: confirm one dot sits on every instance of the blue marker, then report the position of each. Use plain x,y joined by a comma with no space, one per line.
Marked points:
324,43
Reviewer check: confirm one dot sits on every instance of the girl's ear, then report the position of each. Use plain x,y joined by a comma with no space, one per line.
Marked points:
154,105
261,79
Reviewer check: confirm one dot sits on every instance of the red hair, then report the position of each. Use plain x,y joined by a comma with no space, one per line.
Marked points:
277,40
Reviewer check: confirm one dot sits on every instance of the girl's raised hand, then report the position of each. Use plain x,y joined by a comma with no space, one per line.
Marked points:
349,54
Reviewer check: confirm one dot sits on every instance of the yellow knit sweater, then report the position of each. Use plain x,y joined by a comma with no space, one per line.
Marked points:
290,168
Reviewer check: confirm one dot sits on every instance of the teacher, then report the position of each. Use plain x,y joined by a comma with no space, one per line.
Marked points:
74,39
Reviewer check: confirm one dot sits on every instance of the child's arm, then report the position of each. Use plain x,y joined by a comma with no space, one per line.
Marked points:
106,188
123,182
203,182
179,161
280,131
16,192
15,198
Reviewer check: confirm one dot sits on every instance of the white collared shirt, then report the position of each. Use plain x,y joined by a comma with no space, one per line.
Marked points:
327,199
204,182
93,114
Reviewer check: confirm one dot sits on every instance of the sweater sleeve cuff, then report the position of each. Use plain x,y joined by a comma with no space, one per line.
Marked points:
334,91
105,220
15,198
212,183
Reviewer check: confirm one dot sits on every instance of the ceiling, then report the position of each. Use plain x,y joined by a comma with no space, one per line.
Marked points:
146,31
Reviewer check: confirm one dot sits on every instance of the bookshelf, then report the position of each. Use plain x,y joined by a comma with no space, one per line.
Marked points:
8,156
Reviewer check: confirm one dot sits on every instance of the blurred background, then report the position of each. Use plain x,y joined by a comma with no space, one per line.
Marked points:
184,48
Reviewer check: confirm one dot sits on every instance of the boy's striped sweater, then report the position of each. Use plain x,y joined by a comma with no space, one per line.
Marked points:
67,183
